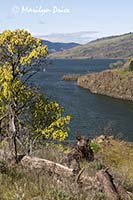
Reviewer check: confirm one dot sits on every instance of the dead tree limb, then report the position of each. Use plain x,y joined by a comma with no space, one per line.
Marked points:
108,185
111,190
50,166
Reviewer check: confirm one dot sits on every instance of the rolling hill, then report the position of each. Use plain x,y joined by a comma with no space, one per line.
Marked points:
109,47
58,46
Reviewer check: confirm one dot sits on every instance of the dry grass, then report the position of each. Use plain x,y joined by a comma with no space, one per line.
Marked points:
24,184
17,183
118,156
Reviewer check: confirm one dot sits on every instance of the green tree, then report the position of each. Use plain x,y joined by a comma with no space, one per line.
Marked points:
21,51
26,115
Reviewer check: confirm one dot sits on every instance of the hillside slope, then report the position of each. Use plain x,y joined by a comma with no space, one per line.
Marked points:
109,47
58,46
117,83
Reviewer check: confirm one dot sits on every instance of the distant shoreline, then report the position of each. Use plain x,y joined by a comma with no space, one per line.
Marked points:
112,83
83,58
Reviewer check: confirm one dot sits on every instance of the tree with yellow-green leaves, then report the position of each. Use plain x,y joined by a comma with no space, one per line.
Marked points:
19,49
26,115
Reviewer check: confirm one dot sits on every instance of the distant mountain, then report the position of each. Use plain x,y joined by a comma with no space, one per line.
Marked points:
58,46
81,37
109,47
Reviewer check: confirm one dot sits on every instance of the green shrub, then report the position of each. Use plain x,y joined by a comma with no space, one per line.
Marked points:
94,146
57,194
115,65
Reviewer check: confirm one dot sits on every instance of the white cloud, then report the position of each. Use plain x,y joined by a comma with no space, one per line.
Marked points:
78,37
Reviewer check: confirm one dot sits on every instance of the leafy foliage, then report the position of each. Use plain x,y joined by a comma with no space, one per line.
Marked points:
47,119
19,49
94,146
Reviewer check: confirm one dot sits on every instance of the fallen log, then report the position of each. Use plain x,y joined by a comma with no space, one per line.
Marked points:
112,191
108,184
50,166
105,178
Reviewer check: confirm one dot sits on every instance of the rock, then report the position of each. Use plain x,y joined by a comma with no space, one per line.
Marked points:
101,139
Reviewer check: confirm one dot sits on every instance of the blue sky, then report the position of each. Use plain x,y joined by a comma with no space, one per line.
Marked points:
103,17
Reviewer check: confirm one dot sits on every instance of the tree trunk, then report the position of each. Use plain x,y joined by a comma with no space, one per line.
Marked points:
13,132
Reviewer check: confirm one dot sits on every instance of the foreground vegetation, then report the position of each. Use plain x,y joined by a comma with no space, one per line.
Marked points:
27,117
19,183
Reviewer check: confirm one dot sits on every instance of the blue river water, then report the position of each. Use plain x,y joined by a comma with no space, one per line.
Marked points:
91,114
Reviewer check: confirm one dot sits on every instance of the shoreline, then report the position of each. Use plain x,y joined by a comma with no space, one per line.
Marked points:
112,83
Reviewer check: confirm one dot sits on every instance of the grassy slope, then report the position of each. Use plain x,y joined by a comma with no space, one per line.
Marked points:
110,47
18,183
